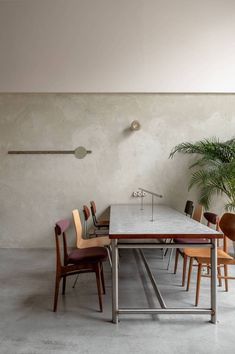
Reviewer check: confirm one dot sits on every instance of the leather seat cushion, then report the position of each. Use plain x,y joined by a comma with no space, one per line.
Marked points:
88,255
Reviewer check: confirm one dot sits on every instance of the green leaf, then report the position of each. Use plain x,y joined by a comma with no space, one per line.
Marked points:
214,168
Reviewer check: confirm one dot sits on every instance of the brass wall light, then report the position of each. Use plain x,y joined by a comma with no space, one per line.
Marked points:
135,125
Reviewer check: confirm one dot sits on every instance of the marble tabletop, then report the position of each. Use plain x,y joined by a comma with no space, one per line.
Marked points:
129,221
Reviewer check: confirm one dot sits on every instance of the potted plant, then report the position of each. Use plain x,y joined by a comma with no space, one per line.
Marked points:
213,170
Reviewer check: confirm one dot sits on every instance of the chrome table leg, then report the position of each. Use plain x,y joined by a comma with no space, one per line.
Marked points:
212,311
114,280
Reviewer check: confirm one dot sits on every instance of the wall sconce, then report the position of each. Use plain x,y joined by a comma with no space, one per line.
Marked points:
135,125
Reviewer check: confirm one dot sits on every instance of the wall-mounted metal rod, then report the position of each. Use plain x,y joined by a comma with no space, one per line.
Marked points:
37,152
79,152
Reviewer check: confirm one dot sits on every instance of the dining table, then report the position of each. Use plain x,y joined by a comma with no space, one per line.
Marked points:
135,227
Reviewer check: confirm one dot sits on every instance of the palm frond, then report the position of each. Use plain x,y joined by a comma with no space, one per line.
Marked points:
215,166
198,178
230,206
206,196
211,149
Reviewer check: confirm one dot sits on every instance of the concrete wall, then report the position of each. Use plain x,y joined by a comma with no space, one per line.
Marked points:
35,191
117,46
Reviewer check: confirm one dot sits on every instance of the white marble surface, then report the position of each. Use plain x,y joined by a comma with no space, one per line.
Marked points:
129,219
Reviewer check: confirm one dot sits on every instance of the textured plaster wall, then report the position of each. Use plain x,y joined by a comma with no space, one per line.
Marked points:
117,46
35,191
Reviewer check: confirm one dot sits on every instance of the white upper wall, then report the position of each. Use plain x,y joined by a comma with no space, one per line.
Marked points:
117,46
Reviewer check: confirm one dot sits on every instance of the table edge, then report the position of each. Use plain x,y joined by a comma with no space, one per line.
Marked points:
160,236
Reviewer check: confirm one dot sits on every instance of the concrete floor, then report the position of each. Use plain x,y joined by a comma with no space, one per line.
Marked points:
29,326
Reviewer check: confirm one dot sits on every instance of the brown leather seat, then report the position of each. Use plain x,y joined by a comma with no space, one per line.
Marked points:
89,255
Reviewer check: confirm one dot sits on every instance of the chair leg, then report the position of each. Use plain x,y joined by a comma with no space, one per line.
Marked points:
109,256
219,274
64,285
189,273
75,281
199,270
176,260
170,258
226,274
98,282
184,269
57,286
102,277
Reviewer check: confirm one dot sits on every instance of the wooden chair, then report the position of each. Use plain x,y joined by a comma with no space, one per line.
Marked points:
78,261
197,216
101,241
212,219
203,257
99,224
93,232
86,213
189,208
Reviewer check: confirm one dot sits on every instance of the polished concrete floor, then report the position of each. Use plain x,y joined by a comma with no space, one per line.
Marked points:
29,326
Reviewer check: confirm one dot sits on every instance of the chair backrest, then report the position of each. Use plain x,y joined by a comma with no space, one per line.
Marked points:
197,214
212,218
86,212
93,206
227,225
189,208
78,227
60,230
93,212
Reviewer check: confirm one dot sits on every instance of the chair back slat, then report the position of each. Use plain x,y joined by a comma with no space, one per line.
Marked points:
86,212
61,227
227,225
189,208
78,226
197,214
93,213
212,218
93,207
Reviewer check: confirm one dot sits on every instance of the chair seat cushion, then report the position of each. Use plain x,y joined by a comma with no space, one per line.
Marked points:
203,255
190,240
103,222
88,255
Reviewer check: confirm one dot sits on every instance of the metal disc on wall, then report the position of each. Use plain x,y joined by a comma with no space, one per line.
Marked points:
81,152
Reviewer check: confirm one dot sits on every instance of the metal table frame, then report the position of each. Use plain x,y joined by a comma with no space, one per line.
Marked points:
116,310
